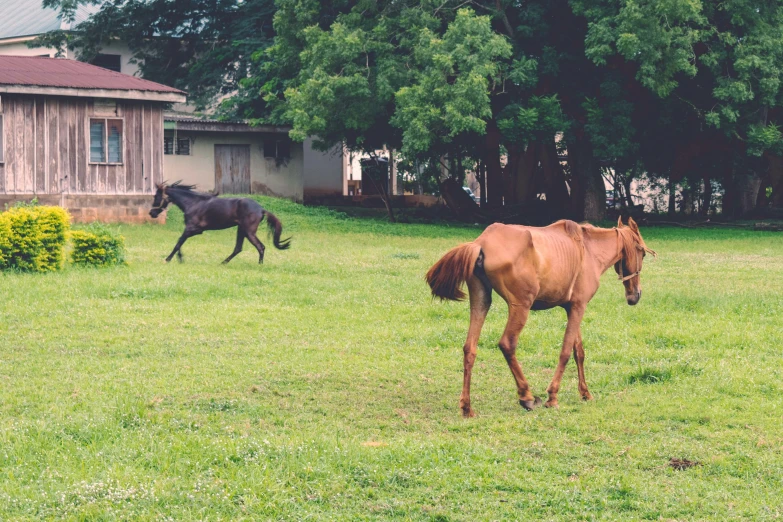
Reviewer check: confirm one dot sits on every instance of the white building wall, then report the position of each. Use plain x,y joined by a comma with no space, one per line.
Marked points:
323,171
266,176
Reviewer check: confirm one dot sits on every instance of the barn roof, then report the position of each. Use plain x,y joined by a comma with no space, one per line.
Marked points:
57,76
20,18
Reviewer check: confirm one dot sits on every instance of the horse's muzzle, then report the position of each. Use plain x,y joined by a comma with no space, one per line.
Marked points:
634,298
155,212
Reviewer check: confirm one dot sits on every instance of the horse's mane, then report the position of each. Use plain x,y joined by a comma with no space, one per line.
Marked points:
632,240
190,189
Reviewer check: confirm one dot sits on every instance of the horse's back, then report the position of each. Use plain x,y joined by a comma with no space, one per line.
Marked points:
548,259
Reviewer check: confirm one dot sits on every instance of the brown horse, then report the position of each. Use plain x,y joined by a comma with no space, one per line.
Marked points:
536,269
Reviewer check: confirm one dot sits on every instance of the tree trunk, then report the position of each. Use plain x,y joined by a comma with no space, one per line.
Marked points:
588,193
685,201
494,172
557,197
520,171
776,176
706,197
482,179
748,190
627,186
672,197
741,193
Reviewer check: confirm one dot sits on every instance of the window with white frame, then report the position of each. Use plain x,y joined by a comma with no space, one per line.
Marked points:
106,140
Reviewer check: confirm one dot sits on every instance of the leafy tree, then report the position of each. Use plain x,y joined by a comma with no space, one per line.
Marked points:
684,93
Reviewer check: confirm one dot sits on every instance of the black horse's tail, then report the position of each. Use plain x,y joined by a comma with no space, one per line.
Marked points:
276,228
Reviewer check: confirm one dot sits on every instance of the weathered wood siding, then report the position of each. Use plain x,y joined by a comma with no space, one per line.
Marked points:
47,147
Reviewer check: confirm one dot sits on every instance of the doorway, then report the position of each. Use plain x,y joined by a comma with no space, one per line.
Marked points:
232,169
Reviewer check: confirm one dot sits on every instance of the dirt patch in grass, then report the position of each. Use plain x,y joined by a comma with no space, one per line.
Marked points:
681,464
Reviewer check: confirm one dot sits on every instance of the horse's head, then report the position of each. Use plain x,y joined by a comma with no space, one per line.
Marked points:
160,202
629,266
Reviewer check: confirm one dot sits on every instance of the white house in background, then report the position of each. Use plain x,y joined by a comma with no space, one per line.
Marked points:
236,158
230,157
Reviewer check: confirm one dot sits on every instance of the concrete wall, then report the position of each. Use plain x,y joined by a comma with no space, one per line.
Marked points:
89,208
323,171
18,47
266,176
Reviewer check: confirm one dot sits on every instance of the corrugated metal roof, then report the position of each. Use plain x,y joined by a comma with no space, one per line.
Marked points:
61,73
190,118
29,18
192,122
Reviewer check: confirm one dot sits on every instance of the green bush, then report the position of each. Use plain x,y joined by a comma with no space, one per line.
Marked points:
97,245
32,238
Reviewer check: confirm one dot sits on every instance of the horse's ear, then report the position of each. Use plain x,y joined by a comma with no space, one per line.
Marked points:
619,221
633,225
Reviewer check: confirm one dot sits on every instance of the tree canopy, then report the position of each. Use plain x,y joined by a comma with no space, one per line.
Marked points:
685,93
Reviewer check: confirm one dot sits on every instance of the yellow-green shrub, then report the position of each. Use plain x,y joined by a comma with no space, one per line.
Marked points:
5,239
32,238
97,245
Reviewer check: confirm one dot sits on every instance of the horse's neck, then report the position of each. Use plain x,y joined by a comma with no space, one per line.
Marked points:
605,246
182,199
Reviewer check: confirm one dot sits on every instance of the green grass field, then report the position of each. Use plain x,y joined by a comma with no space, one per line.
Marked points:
324,385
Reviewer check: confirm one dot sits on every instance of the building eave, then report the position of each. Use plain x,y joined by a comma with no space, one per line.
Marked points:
18,39
210,126
167,97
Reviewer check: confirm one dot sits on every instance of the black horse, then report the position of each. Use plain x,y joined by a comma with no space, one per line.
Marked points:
208,212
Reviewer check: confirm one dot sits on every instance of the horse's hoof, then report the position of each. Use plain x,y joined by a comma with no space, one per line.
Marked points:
552,404
531,405
468,414
587,397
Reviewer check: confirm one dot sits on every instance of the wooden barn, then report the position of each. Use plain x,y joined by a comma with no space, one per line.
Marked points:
81,136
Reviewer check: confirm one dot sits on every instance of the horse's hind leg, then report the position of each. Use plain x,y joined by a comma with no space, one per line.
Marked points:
579,358
253,238
238,247
480,301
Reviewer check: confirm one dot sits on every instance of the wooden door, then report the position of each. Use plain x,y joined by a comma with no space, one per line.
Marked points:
232,169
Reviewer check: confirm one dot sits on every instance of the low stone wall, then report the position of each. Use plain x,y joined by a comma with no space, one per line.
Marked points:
88,208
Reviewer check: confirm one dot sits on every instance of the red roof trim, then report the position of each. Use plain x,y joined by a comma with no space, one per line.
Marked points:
70,74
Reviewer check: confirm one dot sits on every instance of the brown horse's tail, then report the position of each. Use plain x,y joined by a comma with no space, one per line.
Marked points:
447,275
276,228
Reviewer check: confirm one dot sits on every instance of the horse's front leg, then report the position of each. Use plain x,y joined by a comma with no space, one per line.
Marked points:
185,235
579,358
517,317
575,314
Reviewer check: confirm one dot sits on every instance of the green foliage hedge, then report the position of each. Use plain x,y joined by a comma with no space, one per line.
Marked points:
32,238
97,245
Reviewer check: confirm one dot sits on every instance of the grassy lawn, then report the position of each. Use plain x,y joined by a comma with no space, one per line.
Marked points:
324,385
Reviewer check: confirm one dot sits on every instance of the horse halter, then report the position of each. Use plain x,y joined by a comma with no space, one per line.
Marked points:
639,260
164,202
